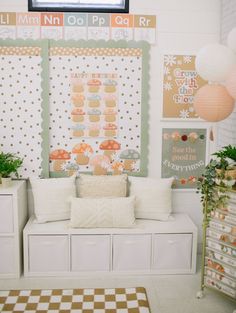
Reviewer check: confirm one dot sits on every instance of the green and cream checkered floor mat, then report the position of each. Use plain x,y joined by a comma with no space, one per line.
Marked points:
117,300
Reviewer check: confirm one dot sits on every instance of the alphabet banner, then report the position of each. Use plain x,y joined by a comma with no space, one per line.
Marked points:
183,155
180,84
76,26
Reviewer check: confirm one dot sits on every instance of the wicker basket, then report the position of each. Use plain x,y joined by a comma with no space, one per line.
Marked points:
228,173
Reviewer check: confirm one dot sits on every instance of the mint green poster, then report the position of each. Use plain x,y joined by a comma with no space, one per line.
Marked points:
183,155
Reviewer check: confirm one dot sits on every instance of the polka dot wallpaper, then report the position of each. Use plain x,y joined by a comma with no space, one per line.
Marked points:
20,106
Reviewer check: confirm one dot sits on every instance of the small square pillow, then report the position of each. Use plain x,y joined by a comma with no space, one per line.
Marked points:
153,197
100,186
102,212
51,198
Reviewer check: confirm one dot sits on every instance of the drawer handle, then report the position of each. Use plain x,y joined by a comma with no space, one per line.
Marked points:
171,242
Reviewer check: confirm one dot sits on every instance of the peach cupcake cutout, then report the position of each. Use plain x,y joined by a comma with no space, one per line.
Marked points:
110,101
110,129
94,85
94,115
110,115
77,85
110,85
78,130
77,115
94,100
77,99
94,130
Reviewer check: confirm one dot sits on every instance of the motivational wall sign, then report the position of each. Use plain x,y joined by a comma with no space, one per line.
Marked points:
180,83
75,26
183,155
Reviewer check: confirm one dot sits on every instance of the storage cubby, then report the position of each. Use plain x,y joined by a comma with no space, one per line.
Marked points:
13,217
149,247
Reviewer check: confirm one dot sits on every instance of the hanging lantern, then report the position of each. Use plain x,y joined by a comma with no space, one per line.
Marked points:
214,62
213,103
231,39
230,83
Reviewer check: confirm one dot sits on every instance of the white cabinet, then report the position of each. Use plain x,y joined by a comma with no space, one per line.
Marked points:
6,214
7,253
151,247
172,251
48,253
219,254
131,252
13,216
90,253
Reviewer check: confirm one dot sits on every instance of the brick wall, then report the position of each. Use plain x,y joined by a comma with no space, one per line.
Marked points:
227,128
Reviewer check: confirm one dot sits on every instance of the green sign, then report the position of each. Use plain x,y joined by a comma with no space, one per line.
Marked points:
183,155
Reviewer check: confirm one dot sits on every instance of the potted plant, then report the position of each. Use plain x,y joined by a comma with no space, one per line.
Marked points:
227,157
9,164
217,179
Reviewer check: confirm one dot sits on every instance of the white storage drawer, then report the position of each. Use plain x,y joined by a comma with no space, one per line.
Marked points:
6,213
172,251
90,253
131,252
7,258
48,253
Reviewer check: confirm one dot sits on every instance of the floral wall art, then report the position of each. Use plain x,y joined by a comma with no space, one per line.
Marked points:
98,108
180,83
183,155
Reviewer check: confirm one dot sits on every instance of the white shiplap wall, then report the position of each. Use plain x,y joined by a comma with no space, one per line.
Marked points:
227,128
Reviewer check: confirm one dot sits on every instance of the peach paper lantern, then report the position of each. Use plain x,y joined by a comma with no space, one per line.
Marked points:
213,103
230,83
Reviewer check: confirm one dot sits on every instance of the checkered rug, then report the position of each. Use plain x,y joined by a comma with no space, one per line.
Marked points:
118,300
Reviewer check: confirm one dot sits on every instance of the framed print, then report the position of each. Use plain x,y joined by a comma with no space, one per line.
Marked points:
180,83
183,155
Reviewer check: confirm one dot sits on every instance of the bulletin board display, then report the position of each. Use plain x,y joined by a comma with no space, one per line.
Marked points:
76,26
23,104
180,84
98,107
183,155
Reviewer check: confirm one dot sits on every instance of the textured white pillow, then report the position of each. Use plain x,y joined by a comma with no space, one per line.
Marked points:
100,186
102,212
153,197
51,198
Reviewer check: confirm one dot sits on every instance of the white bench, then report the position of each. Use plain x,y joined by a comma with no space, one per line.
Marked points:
151,247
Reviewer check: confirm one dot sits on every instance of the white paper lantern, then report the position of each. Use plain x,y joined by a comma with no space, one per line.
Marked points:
214,62
231,39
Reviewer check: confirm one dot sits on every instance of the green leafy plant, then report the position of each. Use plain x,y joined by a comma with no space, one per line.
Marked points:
215,181
9,164
227,155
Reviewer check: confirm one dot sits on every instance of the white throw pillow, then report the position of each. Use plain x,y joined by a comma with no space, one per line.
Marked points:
102,212
51,198
153,197
100,186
